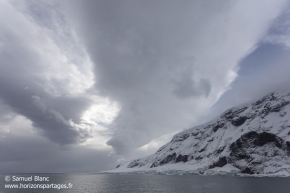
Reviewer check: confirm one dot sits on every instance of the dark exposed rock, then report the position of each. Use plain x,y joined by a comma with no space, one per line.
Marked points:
247,171
210,140
160,149
168,159
181,158
241,149
198,158
238,121
221,149
209,155
180,137
241,154
217,126
277,108
257,103
253,138
155,164
239,110
263,138
288,147
135,163
201,150
230,114
237,148
254,152
220,163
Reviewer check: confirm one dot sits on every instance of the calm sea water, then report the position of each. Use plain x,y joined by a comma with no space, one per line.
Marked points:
91,183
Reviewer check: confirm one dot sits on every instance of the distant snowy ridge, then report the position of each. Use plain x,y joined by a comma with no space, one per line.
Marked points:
251,139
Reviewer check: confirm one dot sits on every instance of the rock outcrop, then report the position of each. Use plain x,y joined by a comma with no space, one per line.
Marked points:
252,139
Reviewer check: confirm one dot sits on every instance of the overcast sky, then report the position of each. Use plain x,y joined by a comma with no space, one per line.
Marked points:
84,84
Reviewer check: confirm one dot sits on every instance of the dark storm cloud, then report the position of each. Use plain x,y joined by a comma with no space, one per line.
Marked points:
25,87
135,46
21,153
165,62
18,89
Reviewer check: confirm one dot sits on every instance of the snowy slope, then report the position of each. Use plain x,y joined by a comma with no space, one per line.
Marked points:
252,139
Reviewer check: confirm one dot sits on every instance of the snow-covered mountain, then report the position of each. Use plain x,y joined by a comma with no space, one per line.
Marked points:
251,139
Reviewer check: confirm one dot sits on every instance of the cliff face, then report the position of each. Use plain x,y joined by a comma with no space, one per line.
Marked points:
249,139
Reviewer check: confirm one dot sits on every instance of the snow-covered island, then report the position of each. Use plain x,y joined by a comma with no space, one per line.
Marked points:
251,139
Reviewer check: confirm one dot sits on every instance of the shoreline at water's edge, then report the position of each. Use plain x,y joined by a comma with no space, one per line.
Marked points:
193,172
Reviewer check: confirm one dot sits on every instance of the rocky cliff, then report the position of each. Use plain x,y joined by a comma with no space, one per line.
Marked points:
252,139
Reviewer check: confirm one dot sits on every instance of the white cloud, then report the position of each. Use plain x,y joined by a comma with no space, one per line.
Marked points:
280,31
151,58
55,65
41,53
158,67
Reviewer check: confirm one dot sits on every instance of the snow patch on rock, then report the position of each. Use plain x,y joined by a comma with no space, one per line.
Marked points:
251,139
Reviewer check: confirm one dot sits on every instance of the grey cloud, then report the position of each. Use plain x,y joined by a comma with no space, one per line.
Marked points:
23,87
137,52
280,31
151,55
21,101
263,71
205,87
163,62
36,154
6,113
187,87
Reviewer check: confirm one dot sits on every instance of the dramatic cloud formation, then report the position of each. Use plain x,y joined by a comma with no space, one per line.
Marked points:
45,76
263,71
280,31
23,151
166,62
82,79
37,80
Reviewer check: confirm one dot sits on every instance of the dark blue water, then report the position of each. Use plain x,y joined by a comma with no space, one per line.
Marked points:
91,183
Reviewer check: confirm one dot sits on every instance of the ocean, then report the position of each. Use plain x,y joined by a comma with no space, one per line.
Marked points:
108,183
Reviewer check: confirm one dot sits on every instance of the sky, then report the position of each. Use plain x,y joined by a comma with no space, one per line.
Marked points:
85,84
